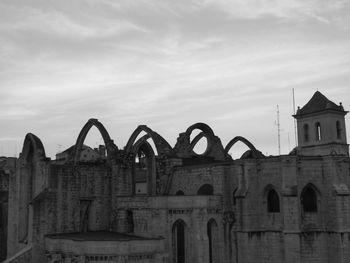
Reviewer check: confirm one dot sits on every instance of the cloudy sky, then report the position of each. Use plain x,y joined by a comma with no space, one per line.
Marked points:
167,64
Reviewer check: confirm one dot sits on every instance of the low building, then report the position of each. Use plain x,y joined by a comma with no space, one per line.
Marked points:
87,154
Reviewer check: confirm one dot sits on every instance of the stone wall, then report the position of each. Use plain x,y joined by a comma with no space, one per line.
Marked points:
93,197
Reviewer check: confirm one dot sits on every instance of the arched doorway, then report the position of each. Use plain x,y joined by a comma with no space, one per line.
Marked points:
179,241
213,241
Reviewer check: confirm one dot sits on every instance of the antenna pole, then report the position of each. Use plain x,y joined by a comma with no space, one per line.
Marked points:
295,122
288,142
279,130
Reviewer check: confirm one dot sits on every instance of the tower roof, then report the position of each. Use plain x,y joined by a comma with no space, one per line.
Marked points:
318,103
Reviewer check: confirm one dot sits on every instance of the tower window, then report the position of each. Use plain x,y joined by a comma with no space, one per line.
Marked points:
318,131
309,200
273,202
306,132
338,130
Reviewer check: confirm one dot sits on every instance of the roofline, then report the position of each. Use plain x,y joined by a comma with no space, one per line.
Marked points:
298,116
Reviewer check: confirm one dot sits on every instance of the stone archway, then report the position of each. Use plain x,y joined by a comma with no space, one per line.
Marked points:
110,146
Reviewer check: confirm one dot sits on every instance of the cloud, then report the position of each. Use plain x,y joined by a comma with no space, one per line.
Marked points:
255,9
167,64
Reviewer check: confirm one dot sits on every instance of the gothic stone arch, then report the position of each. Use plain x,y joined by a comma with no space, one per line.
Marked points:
255,152
111,148
184,146
33,153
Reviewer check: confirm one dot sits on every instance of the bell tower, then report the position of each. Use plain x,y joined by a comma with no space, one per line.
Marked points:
321,127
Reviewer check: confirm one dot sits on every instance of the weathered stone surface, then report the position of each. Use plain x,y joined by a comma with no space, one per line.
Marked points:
57,211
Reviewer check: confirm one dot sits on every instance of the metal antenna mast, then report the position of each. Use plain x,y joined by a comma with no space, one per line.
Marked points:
279,130
295,122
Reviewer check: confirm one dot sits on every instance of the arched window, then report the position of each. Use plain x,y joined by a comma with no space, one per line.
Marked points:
180,193
213,239
318,131
306,132
309,199
144,176
338,130
141,173
273,202
205,189
179,241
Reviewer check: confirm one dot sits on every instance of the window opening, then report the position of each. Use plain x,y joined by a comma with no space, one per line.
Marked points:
318,132
205,189
309,200
338,130
273,202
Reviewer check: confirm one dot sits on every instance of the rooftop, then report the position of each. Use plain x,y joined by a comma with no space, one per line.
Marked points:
318,103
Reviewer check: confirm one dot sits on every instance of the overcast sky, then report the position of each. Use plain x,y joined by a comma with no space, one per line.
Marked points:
167,64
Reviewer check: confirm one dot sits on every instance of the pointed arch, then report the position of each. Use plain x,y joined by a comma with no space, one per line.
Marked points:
213,241
309,198
162,146
32,152
185,148
143,146
180,242
273,201
207,131
32,148
139,142
256,153
110,146
272,198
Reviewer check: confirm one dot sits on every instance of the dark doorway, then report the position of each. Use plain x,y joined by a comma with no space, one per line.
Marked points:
213,239
179,241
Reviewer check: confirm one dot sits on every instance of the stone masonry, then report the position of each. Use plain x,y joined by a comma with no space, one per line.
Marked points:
166,204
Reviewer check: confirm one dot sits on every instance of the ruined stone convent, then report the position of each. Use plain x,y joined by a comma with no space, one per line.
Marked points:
151,202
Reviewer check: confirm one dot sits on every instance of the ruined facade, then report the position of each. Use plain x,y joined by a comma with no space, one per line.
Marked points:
7,171
168,204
